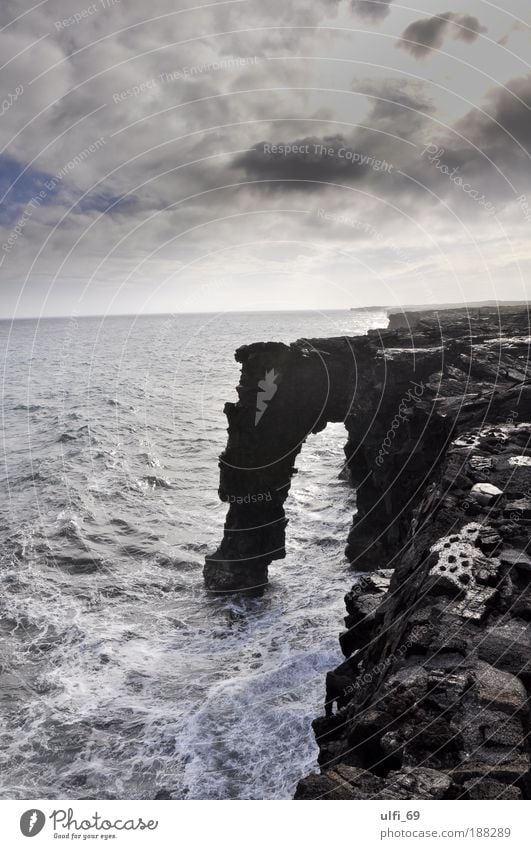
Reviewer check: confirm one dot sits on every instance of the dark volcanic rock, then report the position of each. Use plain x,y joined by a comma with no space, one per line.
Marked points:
402,393
432,701
445,668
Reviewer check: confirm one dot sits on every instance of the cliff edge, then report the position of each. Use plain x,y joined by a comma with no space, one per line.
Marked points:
432,700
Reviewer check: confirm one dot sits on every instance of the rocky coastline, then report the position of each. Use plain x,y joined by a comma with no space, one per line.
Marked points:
432,700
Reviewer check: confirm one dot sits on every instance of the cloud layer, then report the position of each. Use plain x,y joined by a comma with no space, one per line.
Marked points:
428,34
373,10
238,156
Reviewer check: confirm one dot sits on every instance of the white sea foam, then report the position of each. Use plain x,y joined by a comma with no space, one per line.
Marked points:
121,677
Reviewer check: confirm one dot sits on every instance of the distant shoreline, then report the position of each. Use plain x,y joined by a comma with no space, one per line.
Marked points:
373,308
438,307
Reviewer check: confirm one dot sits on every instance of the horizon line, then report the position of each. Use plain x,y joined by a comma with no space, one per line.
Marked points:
185,312
368,307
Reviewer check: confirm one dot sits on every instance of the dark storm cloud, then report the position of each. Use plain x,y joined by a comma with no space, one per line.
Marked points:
427,34
306,163
373,10
499,132
397,114
468,28
510,108
170,177
477,152
490,148
497,155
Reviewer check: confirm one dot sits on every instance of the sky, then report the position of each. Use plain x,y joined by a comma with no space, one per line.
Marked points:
179,156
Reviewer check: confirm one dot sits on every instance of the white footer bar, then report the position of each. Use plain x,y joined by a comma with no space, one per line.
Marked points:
231,825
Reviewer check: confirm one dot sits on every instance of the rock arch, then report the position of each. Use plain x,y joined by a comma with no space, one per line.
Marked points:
287,392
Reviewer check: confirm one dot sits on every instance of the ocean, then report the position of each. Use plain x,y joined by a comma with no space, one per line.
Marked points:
120,677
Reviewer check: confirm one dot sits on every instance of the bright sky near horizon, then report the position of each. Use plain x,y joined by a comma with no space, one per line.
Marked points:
242,155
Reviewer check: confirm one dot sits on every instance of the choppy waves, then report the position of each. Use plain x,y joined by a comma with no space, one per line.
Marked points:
120,677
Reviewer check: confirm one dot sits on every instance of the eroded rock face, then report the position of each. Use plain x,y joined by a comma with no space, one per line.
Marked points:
285,393
441,661
432,700
401,393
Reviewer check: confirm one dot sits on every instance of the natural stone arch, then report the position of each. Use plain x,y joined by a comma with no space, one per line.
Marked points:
412,374
285,394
